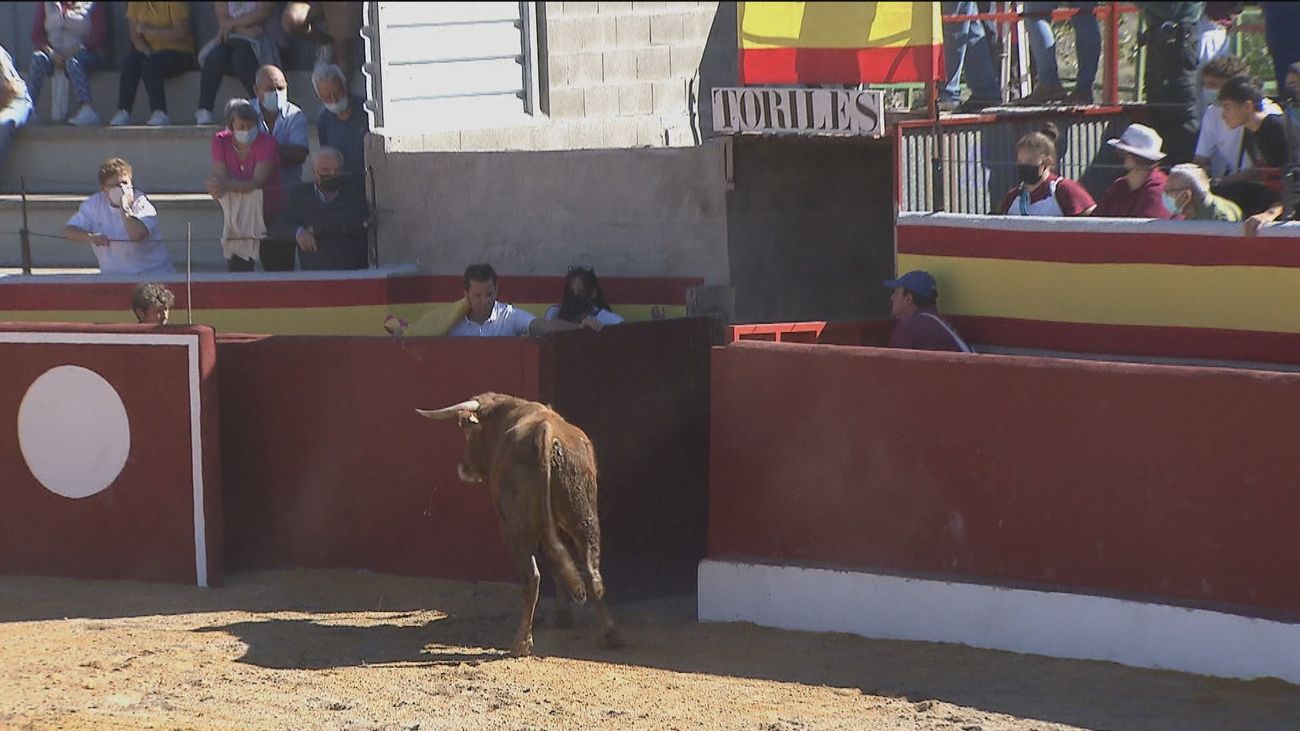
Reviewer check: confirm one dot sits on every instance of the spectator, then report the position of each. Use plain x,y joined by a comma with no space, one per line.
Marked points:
15,104
1187,194
120,225
1263,143
1172,42
913,304
248,37
1282,35
161,47
1285,208
68,37
1136,194
489,318
1041,191
243,161
342,29
966,46
1218,146
327,218
283,121
151,302
582,299
1212,30
1042,45
343,123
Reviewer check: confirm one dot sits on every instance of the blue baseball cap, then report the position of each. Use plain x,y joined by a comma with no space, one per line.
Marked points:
917,282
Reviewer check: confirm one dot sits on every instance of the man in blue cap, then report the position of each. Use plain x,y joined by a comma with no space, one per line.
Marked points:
919,326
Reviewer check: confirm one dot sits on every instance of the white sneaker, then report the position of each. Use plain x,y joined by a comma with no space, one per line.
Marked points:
203,116
122,117
86,117
159,118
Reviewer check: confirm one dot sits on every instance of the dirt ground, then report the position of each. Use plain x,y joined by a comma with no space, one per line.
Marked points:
354,650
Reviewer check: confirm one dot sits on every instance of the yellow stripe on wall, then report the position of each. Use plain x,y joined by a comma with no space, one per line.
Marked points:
1249,298
838,25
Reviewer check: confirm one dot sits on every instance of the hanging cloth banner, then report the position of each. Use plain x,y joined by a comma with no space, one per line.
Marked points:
839,43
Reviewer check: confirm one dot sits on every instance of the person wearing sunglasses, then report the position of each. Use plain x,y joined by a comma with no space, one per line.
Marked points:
582,299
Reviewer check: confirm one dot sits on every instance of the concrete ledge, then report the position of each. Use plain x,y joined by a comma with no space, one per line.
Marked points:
1076,626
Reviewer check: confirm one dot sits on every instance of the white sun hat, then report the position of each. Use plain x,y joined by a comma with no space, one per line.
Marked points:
1139,140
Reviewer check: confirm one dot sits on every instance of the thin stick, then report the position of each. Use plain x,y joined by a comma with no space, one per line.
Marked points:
189,273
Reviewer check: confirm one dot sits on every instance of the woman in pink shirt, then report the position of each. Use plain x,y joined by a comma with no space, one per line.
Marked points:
243,160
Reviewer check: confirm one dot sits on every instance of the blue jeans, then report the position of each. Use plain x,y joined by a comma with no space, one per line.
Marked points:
1087,35
79,68
1282,34
965,45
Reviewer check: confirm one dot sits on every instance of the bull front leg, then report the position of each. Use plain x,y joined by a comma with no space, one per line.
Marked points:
523,646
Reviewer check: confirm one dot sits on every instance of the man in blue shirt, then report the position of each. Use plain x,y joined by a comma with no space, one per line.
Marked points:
343,123
283,120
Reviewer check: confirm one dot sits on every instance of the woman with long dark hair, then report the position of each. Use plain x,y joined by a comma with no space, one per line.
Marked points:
582,299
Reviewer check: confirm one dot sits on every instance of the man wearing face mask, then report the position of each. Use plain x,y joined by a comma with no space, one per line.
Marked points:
1136,194
327,217
1187,194
343,122
120,225
282,120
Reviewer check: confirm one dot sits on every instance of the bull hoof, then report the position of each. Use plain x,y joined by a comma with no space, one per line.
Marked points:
523,648
564,618
612,640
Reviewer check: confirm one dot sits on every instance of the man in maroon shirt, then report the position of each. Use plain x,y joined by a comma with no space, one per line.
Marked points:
919,325
1137,193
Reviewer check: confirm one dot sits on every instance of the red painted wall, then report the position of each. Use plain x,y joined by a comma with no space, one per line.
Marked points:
328,465
142,525
1157,480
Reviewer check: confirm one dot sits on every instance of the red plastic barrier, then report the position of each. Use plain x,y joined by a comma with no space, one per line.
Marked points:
1103,477
109,453
859,332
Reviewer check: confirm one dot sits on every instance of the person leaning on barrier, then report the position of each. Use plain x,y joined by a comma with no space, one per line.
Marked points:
151,302
583,298
489,318
245,161
1218,146
1041,191
120,225
1263,142
914,304
1136,194
1285,208
327,217
1187,194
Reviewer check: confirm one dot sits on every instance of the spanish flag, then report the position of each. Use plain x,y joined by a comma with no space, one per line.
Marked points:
839,43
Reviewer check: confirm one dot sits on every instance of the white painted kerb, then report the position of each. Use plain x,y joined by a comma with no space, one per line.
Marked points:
1019,620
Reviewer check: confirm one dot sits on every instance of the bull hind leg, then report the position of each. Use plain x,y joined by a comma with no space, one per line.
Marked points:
527,563
563,604
609,636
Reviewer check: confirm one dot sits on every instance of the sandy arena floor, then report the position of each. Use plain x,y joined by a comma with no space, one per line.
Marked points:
352,650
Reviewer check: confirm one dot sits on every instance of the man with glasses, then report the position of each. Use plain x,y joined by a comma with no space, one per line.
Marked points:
1187,193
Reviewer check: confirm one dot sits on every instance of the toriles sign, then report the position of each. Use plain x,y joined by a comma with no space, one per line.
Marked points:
799,111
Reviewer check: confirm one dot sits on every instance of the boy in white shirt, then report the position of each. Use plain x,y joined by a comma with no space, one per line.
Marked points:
120,225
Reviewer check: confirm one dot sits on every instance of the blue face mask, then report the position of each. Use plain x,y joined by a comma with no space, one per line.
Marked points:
1171,204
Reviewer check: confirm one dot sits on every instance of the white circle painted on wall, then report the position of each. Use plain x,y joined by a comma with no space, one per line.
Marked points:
73,431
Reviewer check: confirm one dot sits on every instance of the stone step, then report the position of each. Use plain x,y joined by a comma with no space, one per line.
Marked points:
63,159
47,215
182,97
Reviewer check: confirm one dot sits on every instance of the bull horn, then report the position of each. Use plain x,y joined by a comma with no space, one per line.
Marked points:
450,411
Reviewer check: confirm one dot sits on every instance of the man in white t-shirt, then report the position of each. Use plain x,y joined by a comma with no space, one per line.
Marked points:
120,225
1218,147
489,318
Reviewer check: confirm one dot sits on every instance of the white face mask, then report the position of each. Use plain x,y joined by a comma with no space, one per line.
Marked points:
338,107
275,100
1209,97
246,137
115,194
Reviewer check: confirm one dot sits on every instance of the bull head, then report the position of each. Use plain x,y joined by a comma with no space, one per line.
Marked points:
472,467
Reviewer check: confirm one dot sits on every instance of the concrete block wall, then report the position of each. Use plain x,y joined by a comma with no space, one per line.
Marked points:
614,75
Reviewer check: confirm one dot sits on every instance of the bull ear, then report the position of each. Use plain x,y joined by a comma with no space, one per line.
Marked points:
467,420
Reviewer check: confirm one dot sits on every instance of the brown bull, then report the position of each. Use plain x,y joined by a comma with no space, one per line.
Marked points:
541,471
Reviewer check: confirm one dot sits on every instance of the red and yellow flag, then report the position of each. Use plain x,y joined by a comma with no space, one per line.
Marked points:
839,43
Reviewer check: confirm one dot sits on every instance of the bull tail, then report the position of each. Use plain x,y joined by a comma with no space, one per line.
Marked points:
561,559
